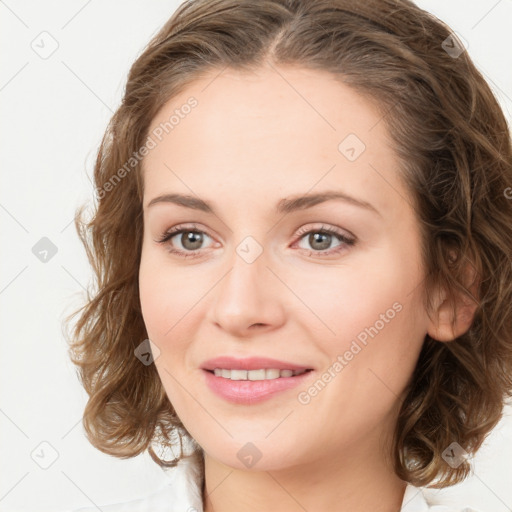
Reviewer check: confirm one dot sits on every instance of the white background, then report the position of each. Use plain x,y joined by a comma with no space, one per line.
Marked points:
54,112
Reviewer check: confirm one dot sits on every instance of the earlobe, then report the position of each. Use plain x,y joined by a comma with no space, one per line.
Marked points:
440,326
448,322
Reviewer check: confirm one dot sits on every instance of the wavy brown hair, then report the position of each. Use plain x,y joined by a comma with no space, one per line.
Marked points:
454,146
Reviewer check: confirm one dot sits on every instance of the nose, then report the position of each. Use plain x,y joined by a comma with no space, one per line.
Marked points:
248,298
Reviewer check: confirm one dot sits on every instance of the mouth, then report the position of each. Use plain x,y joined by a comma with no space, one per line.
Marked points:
252,380
253,375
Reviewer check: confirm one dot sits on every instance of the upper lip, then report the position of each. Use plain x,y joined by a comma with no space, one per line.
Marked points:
250,363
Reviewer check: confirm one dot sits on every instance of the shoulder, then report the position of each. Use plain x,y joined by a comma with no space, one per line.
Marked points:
418,499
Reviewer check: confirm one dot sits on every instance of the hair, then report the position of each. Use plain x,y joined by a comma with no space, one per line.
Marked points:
454,148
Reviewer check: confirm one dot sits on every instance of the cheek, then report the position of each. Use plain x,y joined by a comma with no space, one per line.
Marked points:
341,303
374,318
381,358
173,302
162,306
167,294
153,298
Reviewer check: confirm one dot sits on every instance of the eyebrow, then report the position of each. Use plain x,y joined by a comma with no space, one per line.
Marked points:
287,205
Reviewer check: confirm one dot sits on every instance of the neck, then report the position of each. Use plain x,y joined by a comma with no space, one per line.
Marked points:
336,483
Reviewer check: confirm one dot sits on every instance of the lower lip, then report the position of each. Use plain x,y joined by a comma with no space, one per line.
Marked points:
251,391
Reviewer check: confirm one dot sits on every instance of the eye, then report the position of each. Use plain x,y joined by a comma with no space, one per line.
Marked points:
321,238
189,238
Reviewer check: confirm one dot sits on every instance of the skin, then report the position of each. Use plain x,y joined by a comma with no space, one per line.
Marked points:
252,140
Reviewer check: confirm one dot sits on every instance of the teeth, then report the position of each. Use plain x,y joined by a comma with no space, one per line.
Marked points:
263,374
238,375
257,374
272,374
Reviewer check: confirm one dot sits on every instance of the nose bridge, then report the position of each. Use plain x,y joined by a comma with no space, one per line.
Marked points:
245,295
242,286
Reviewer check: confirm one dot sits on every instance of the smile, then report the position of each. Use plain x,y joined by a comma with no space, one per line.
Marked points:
261,374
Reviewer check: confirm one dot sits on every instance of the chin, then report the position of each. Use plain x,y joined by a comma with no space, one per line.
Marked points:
258,454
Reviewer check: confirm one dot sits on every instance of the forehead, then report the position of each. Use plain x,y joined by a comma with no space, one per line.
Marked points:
263,135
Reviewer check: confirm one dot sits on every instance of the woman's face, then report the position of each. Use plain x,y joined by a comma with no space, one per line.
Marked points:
256,275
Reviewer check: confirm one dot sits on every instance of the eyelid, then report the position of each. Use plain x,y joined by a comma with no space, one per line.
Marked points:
320,226
346,238
183,227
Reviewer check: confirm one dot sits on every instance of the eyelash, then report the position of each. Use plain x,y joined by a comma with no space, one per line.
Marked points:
176,230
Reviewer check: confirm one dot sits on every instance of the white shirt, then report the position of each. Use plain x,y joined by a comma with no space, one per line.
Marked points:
182,493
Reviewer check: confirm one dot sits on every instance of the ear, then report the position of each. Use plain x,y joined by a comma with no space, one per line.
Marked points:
448,321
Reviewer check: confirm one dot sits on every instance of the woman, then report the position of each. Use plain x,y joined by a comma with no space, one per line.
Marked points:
302,249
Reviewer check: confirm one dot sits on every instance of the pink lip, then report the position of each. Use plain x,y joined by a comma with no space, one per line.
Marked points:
250,363
248,391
